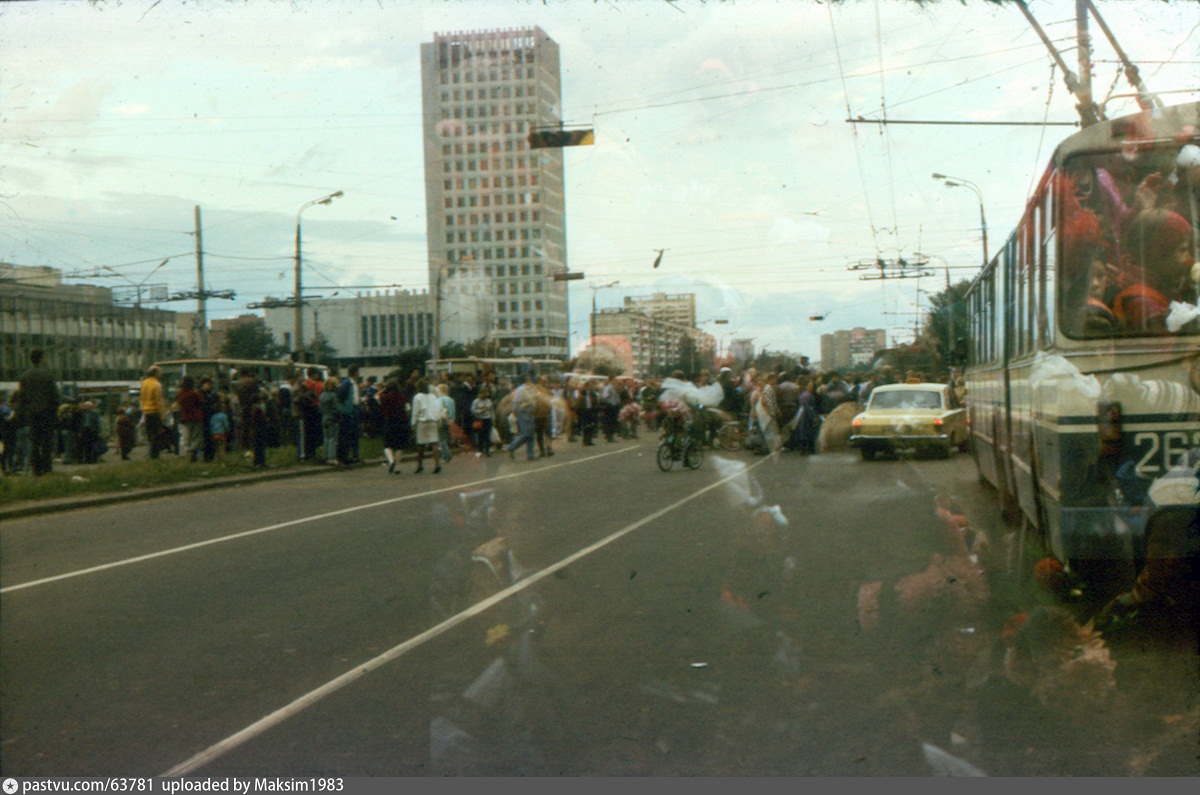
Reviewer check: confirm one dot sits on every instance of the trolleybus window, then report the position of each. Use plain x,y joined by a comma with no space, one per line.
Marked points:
1128,245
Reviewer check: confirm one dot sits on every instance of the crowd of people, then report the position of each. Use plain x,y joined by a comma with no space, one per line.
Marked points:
325,415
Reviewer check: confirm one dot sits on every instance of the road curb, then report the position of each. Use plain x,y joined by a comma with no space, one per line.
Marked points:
116,497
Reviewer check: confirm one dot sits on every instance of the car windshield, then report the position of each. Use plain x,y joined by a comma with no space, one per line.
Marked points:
906,399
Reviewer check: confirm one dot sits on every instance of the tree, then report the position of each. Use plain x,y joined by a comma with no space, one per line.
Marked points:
320,351
949,303
768,361
690,360
409,360
251,340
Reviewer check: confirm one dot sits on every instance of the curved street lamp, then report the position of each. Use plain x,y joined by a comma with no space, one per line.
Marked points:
595,288
958,182
298,325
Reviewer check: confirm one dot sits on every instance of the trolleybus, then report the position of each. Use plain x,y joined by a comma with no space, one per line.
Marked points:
1084,363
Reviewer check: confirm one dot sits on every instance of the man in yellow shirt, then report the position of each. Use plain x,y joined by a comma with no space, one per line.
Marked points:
152,409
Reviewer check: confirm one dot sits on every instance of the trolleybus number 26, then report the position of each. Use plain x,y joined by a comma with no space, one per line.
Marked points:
1164,450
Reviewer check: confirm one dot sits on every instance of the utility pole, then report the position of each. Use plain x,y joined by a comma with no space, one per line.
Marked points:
201,302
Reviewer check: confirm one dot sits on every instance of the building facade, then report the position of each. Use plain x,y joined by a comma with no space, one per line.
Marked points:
371,328
655,344
493,206
86,336
679,309
845,350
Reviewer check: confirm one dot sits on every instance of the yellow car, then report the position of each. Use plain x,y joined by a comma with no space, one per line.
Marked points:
925,417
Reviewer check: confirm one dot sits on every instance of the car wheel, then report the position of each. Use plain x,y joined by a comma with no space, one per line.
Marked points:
868,453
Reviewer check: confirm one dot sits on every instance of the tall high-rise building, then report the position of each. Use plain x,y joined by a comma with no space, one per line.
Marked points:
494,207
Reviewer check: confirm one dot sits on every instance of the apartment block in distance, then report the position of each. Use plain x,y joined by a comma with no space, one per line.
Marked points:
844,350
494,207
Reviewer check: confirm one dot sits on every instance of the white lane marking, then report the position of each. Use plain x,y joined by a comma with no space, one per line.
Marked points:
270,528
218,750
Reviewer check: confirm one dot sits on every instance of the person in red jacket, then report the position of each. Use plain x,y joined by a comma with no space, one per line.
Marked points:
1159,250
190,403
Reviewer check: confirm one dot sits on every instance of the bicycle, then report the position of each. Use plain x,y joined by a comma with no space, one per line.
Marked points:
679,442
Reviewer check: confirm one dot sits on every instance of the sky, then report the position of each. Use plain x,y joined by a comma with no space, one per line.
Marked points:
721,138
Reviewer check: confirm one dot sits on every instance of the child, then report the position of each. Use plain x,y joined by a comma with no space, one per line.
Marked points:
220,429
126,431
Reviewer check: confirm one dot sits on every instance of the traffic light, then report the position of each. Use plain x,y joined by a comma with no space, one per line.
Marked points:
556,139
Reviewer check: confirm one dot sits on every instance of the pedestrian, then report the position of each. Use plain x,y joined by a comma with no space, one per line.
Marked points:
246,391
37,406
589,412
190,402
349,429
484,412
8,435
127,431
209,409
447,422
306,396
89,446
768,413
329,408
153,407
393,420
68,429
221,427
542,418
427,413
258,420
610,407
524,405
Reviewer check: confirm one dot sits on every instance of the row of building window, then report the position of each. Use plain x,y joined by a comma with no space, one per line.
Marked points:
500,271
456,129
480,148
517,324
490,111
499,200
499,289
476,254
510,181
396,331
510,163
483,76
520,306
496,92
487,235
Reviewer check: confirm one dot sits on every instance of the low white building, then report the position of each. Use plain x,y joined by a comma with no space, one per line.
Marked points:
371,328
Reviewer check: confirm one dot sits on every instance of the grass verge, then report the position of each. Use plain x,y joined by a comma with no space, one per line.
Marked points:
119,476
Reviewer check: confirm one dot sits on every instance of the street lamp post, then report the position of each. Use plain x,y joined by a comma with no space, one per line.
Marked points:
298,326
958,182
595,288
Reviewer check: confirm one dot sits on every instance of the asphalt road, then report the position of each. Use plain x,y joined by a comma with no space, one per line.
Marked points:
660,623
